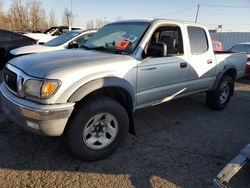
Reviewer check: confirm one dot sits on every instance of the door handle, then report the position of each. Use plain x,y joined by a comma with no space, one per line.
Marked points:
183,65
148,69
209,61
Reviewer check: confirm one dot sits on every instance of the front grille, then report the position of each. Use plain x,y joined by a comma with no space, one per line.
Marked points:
10,79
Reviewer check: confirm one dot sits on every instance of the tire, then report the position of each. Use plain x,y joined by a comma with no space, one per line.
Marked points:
100,115
220,97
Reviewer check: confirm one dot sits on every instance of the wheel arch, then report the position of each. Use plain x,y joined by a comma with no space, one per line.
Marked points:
113,87
228,71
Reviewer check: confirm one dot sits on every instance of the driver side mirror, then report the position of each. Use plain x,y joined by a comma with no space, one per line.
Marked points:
157,49
73,45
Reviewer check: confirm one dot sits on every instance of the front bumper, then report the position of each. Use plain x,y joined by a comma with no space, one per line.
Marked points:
40,118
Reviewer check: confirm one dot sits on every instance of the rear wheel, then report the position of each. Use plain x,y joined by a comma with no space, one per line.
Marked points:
97,129
219,98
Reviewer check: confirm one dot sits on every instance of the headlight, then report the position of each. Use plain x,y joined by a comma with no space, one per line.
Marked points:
41,88
33,88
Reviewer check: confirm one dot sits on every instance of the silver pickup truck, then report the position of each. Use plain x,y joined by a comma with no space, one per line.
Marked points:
89,95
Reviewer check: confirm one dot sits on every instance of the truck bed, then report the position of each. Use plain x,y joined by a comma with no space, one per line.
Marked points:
234,60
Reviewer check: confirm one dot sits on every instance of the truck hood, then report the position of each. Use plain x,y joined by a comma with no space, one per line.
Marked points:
65,61
31,49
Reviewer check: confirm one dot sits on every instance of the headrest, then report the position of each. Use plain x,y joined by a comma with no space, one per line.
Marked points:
170,42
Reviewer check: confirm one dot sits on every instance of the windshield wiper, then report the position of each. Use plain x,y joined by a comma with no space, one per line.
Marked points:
99,48
102,48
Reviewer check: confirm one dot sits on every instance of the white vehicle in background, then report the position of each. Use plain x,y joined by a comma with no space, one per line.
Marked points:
51,33
72,39
40,37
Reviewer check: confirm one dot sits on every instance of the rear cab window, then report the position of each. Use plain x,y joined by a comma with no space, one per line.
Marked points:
198,40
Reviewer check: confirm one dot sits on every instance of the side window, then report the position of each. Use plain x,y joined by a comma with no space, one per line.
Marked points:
64,30
171,37
81,40
198,40
59,31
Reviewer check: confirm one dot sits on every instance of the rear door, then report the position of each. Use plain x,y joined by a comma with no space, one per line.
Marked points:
201,58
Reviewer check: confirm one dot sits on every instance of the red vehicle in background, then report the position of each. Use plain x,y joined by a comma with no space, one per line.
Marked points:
243,47
217,45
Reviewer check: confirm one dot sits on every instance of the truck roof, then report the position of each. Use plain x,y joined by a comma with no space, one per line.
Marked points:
155,20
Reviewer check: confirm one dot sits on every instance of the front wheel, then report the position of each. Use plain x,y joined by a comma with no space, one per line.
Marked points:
97,128
220,97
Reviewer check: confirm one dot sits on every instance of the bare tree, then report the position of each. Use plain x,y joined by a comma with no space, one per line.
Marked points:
44,24
18,15
29,17
1,14
68,17
4,21
97,24
37,16
90,24
52,19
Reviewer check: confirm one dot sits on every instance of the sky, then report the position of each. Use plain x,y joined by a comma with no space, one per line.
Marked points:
233,15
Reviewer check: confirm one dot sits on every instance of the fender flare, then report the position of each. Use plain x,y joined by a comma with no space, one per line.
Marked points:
94,85
221,74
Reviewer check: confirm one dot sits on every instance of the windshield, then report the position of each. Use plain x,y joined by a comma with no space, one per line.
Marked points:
241,48
118,37
62,39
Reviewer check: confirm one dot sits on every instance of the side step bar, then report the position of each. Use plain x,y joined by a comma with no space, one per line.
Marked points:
232,168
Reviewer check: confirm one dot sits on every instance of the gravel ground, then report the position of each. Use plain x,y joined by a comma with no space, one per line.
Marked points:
181,143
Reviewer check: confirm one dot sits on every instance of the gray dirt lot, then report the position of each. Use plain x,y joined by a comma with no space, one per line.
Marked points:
181,143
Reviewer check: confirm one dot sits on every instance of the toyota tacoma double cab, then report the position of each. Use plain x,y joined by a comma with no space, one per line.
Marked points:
89,95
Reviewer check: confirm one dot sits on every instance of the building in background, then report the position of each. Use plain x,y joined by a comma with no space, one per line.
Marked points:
229,38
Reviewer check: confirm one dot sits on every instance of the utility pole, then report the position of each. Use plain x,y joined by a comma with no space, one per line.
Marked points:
197,13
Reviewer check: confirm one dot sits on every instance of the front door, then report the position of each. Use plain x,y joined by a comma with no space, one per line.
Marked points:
163,78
